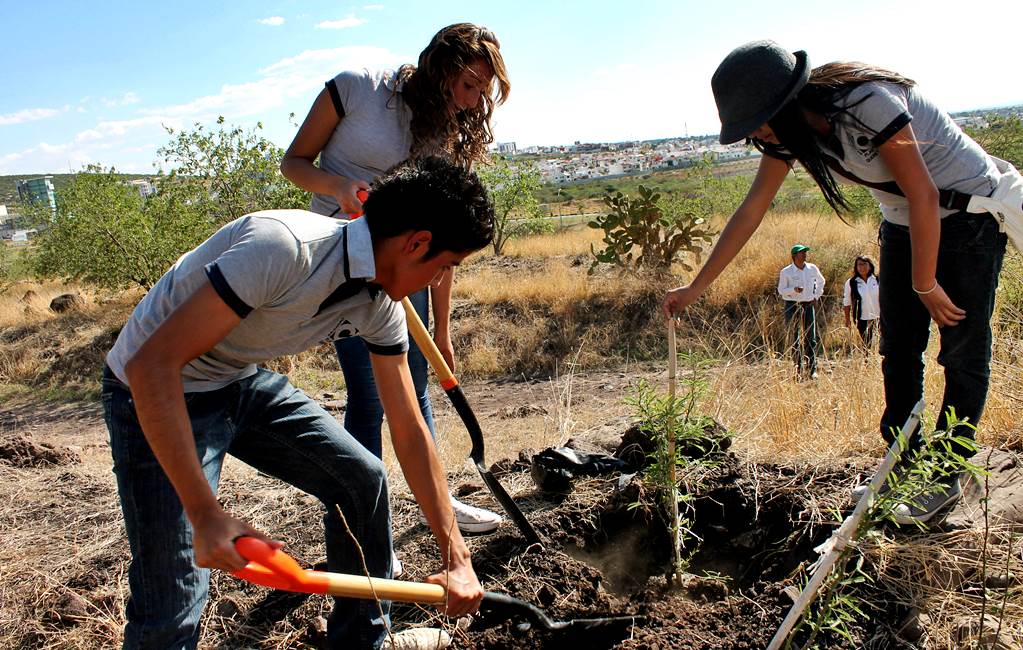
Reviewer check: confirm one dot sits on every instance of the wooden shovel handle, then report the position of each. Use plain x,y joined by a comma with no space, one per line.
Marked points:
428,347
276,569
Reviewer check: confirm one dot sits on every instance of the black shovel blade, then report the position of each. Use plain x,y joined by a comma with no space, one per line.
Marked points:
497,608
465,412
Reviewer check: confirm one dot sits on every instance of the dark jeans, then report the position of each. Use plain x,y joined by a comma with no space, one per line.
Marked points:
969,261
866,329
271,425
801,320
364,413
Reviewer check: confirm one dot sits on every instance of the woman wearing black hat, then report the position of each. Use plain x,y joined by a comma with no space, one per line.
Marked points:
874,127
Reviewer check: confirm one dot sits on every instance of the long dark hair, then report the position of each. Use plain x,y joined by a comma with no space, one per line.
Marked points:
823,94
870,263
463,136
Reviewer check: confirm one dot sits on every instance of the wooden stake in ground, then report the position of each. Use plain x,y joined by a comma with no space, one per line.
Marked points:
676,557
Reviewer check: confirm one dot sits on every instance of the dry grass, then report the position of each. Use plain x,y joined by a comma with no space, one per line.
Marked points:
834,245
573,241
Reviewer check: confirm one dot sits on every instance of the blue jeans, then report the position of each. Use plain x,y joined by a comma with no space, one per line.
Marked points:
274,427
801,319
970,256
364,413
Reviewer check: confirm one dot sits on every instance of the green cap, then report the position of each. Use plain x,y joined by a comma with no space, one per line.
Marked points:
797,248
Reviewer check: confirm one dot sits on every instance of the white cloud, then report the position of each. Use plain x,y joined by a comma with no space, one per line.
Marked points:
348,21
27,115
289,85
372,7
273,21
126,99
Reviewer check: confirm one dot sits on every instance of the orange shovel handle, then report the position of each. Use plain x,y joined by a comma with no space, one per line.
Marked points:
362,196
272,567
276,569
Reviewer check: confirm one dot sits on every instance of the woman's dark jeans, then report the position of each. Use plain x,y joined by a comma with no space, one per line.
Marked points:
364,413
969,260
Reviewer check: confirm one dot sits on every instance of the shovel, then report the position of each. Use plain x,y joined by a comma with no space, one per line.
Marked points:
278,570
457,397
454,393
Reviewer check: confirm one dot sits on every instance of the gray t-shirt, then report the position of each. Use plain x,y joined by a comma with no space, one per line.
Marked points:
876,111
297,279
373,134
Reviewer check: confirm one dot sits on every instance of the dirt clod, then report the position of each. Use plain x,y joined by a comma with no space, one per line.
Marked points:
66,302
19,451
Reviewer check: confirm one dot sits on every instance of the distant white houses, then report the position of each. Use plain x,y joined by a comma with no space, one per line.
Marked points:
589,161
506,147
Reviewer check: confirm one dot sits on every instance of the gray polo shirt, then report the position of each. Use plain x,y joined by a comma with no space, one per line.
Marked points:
296,279
373,134
876,111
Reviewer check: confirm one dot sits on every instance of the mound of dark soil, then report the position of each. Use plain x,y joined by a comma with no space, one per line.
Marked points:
19,451
607,552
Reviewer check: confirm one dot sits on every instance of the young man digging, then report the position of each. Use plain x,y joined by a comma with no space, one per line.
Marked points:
182,389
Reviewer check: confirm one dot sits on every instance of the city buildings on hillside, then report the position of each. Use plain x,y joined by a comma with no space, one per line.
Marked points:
586,161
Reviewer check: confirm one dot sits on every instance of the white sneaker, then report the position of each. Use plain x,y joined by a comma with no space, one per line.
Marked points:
396,566
474,520
471,519
417,638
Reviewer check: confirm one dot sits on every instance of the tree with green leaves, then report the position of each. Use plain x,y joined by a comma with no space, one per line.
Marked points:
227,172
513,187
1002,137
106,233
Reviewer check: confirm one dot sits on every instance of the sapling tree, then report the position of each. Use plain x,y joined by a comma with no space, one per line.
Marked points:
513,188
685,443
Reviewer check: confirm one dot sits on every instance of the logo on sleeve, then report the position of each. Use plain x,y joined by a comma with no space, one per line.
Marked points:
866,148
343,330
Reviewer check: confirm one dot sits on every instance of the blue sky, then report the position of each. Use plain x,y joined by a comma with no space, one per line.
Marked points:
97,82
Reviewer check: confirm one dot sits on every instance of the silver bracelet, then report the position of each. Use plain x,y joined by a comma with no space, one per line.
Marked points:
924,293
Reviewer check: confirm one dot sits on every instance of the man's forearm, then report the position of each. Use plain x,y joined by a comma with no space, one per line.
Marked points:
160,407
425,476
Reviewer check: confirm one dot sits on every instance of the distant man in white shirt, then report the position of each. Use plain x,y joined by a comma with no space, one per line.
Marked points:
801,285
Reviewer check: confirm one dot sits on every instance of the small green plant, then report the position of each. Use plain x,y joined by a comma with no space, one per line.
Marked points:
841,601
696,444
513,188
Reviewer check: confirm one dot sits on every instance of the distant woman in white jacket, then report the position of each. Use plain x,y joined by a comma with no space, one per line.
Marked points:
861,300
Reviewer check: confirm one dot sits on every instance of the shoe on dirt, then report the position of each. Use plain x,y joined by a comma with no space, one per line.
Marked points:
417,638
893,477
397,568
471,519
925,506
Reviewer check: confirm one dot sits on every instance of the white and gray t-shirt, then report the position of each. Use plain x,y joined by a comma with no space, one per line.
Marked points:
876,111
374,133
296,279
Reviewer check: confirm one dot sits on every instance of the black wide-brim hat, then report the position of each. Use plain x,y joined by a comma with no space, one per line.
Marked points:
753,83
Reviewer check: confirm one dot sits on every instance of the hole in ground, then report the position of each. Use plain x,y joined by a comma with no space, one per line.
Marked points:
732,539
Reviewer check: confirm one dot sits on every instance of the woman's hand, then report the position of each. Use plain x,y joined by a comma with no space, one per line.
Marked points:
346,190
943,311
678,299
